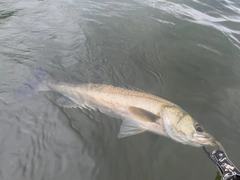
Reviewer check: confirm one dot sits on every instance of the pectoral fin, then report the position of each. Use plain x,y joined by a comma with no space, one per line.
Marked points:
66,102
129,128
143,114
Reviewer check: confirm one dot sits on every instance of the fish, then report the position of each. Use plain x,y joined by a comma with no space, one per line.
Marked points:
139,111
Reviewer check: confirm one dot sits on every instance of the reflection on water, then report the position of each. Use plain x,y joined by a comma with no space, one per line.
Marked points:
186,51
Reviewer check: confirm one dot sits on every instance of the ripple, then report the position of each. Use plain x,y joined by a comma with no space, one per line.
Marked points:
163,21
209,48
188,13
185,51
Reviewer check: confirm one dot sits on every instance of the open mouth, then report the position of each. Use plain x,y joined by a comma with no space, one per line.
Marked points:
205,135
209,141
205,139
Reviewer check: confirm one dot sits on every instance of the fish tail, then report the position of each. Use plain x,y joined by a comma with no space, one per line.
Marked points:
37,82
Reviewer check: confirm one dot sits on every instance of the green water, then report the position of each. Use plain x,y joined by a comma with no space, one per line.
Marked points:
186,51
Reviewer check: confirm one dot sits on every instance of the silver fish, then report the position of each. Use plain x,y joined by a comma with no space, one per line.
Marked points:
139,111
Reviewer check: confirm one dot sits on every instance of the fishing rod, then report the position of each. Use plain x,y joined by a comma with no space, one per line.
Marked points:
227,169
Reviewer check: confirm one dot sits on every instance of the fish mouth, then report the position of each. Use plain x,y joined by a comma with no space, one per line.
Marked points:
205,139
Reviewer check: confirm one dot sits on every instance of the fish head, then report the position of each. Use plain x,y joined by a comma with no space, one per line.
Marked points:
181,127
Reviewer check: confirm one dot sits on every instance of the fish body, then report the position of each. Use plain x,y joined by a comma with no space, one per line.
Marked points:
117,102
139,111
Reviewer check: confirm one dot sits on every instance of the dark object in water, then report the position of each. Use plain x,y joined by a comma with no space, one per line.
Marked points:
227,169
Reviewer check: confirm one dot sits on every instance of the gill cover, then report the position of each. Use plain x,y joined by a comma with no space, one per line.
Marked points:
177,129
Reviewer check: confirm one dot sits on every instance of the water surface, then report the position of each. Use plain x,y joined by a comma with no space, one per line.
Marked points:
186,51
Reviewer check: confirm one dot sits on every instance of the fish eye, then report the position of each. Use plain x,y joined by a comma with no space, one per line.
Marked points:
199,127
